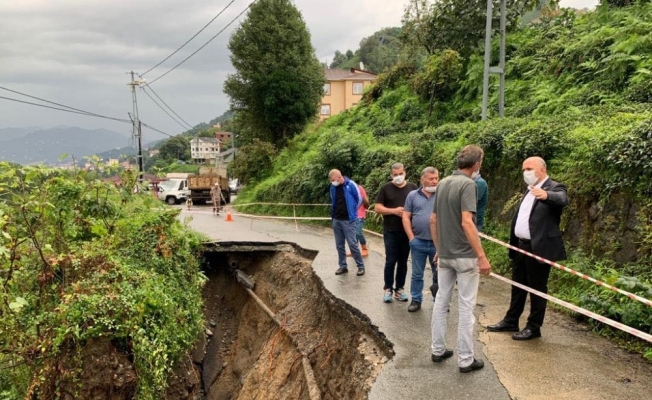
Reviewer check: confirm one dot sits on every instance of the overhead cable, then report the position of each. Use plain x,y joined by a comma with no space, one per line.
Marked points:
67,108
164,110
154,129
163,101
193,36
205,44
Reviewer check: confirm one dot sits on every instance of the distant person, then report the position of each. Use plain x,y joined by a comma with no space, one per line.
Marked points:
345,201
416,222
535,229
216,196
359,224
389,204
483,199
461,258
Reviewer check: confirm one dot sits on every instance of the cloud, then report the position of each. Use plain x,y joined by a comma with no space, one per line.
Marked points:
78,52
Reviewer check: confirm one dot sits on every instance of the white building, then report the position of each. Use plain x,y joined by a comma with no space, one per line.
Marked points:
204,150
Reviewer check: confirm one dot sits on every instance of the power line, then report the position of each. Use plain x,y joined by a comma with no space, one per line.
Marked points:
154,129
163,101
193,36
164,110
66,110
76,110
205,44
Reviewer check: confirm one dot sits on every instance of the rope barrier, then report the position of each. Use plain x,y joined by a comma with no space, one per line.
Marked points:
617,325
572,271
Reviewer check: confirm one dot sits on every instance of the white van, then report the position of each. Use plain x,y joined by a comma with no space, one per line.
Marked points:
173,191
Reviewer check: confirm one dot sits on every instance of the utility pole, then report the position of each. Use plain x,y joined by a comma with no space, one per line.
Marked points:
137,128
488,69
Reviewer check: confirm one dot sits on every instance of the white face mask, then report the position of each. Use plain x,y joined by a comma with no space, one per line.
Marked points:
529,177
335,183
398,179
430,189
475,175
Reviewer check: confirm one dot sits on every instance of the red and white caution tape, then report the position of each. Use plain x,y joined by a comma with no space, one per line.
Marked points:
605,320
572,271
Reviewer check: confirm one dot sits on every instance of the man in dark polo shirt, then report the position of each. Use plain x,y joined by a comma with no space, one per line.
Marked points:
389,204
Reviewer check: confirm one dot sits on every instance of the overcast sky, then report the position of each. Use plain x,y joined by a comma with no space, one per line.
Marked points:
77,52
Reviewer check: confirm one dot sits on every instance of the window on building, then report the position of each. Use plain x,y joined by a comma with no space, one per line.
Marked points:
325,109
358,87
327,89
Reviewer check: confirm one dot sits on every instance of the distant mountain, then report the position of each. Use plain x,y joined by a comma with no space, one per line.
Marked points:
45,146
14,133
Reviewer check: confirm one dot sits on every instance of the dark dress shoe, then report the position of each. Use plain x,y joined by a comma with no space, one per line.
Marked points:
503,326
414,306
526,334
475,365
341,271
437,359
360,271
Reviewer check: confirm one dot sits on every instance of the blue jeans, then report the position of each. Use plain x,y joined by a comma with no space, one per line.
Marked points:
358,231
397,250
421,250
345,232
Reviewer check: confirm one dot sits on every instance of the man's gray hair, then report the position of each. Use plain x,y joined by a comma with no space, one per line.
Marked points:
469,156
397,165
428,170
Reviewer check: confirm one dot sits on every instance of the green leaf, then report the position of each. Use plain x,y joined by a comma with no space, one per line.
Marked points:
18,304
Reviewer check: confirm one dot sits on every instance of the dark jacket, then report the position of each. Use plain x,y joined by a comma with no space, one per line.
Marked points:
353,198
544,223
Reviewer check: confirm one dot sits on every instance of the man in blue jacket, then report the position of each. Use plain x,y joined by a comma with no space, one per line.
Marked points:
345,201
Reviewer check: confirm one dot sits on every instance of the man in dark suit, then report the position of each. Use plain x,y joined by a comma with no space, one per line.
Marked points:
535,229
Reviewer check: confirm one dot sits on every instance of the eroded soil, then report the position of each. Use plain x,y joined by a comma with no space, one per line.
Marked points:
249,357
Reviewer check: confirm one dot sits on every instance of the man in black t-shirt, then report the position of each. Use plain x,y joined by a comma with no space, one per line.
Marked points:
389,204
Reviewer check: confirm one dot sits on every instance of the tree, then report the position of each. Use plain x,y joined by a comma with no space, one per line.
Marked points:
456,24
176,148
279,81
381,51
254,161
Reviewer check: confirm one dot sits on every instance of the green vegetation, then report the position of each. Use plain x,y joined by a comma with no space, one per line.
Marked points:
579,94
80,260
377,52
278,82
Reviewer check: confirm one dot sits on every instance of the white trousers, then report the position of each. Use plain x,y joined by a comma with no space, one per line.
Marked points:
465,271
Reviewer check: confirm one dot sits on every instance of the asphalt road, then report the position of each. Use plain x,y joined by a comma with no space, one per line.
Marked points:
568,362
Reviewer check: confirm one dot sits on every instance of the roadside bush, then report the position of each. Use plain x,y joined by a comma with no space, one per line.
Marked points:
81,260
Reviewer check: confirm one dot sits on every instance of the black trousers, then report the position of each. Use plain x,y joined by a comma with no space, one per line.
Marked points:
528,272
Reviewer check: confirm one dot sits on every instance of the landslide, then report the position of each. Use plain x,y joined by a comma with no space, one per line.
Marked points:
248,356
578,94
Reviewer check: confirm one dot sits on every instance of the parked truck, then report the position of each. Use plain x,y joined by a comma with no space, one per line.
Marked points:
174,189
200,185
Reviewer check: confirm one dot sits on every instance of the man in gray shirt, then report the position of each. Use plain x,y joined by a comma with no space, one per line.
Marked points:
461,258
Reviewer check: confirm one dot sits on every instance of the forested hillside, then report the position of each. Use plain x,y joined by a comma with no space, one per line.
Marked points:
579,94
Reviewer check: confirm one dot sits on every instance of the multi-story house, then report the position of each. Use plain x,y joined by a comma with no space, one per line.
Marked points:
204,150
343,89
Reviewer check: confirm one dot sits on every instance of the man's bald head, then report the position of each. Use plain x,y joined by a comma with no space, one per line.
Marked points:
334,174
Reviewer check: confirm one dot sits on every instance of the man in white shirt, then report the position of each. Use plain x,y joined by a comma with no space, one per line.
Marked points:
535,229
